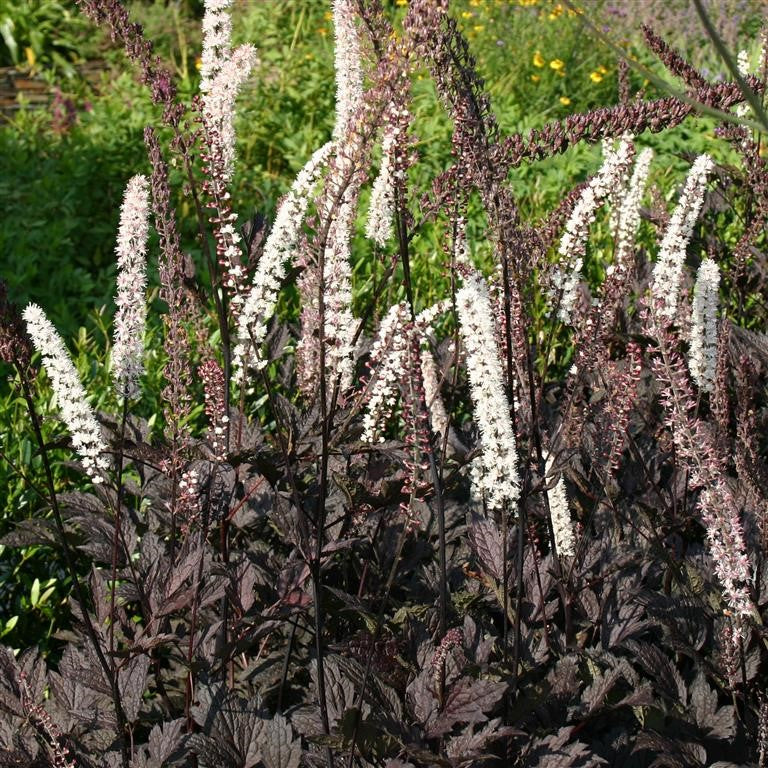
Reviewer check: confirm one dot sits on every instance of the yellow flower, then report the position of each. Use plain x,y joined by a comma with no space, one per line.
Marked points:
467,14
595,77
538,59
557,64
478,27
322,31
535,78
328,16
555,12
565,101
401,2
602,70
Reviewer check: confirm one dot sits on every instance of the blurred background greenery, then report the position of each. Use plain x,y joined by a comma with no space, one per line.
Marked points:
71,136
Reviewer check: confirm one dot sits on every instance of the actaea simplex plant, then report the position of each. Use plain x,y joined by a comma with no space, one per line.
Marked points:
414,535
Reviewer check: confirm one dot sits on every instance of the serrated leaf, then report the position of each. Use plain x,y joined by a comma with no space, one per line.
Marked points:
556,750
164,740
233,723
468,701
469,745
211,753
658,664
594,696
486,542
279,748
132,682
339,690
421,697
718,723
31,533
671,753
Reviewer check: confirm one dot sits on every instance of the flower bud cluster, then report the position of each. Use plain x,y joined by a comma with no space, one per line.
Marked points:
214,389
695,444
38,714
454,638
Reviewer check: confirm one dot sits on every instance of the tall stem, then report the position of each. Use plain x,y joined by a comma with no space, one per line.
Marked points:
108,670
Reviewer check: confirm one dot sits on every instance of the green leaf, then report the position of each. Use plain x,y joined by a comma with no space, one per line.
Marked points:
6,31
9,625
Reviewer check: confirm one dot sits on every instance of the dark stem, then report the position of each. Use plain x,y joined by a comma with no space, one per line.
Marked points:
122,721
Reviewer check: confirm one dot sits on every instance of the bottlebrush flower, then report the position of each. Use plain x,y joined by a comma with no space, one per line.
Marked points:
349,69
695,443
214,389
339,328
429,373
382,207
222,74
219,106
573,244
270,271
437,416
720,515
217,33
130,317
499,480
560,515
668,271
702,355
75,411
387,361
628,213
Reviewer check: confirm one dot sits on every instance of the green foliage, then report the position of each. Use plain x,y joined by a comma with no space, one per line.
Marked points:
45,35
61,196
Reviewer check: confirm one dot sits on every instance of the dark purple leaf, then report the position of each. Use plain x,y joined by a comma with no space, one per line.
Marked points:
468,701
486,542
279,748
718,723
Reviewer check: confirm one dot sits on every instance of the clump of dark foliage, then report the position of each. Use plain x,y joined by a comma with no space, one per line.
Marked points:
287,612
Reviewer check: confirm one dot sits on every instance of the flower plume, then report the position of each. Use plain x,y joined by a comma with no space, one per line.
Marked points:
270,272
669,266
70,393
499,476
702,356
131,314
